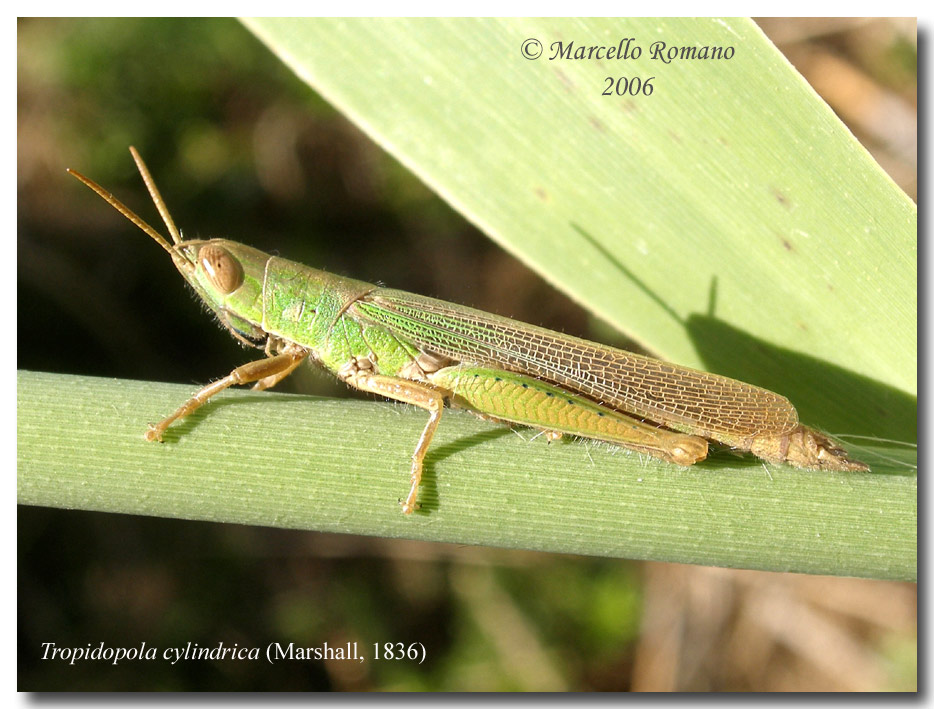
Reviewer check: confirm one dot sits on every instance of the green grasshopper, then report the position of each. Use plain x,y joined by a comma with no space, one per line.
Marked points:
427,352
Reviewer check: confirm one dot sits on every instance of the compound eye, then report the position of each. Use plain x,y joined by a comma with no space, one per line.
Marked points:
223,271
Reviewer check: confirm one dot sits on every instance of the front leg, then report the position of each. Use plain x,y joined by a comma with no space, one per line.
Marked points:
271,369
418,394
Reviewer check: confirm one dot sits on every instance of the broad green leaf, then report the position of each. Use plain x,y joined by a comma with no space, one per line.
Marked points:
727,221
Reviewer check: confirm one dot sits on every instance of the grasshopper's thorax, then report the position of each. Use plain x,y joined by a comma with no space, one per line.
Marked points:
229,278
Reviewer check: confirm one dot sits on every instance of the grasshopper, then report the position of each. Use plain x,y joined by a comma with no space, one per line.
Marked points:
428,352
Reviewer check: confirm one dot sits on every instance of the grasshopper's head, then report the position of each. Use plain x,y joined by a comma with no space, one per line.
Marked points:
229,278
227,275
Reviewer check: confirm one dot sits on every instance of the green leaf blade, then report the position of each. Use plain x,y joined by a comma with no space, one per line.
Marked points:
339,466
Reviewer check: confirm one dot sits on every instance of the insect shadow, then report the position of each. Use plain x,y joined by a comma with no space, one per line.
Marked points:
233,397
839,400
429,497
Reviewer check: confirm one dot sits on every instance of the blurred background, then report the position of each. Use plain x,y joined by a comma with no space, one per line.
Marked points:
241,148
